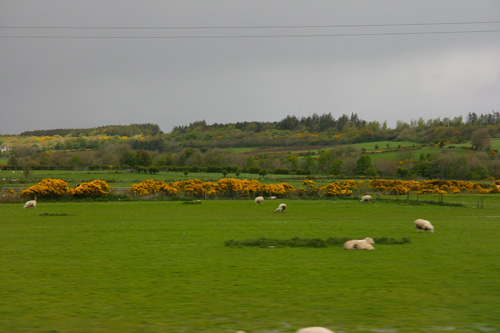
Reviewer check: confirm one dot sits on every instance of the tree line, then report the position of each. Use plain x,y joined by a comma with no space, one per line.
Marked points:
111,130
199,147
312,130
326,130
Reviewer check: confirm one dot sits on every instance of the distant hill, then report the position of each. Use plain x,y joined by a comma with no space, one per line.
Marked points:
312,131
110,130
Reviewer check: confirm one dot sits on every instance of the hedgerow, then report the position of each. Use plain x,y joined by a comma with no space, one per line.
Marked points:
58,189
242,188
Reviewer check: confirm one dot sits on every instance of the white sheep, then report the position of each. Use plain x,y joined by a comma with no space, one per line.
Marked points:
30,203
272,197
281,208
366,198
423,224
314,330
359,244
259,200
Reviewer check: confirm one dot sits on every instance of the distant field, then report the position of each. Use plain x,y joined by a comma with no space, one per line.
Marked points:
240,150
398,156
495,144
369,146
163,267
383,145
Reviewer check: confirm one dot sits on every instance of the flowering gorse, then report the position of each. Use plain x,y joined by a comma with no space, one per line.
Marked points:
95,188
47,188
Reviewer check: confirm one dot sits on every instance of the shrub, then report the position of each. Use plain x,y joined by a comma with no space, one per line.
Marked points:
47,188
282,171
302,172
150,186
153,169
95,188
214,169
253,170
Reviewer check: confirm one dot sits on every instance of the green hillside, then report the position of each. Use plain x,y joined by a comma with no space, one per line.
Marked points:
314,145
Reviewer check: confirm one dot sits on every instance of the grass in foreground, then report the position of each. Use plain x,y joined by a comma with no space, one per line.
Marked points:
163,267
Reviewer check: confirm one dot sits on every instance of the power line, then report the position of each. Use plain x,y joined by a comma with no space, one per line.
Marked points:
251,27
256,36
294,35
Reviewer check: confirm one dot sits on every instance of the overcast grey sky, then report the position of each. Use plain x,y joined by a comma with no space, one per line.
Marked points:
241,60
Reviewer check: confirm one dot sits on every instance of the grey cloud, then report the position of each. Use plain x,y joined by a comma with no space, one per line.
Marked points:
69,83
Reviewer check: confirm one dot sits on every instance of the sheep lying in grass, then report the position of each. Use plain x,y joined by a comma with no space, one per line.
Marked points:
31,203
423,224
259,200
359,244
281,208
314,330
366,198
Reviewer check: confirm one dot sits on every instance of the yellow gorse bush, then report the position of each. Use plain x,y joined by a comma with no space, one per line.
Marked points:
335,190
230,187
434,186
308,182
227,187
47,188
46,138
149,186
198,187
194,187
95,188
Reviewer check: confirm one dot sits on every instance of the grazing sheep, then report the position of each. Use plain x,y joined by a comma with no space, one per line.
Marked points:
31,203
259,200
272,197
281,208
314,330
359,244
366,198
423,224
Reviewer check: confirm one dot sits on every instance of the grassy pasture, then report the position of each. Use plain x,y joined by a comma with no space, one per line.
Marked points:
495,144
370,146
399,156
162,267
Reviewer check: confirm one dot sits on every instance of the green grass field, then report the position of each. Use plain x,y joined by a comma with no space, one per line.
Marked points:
382,145
149,266
495,144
